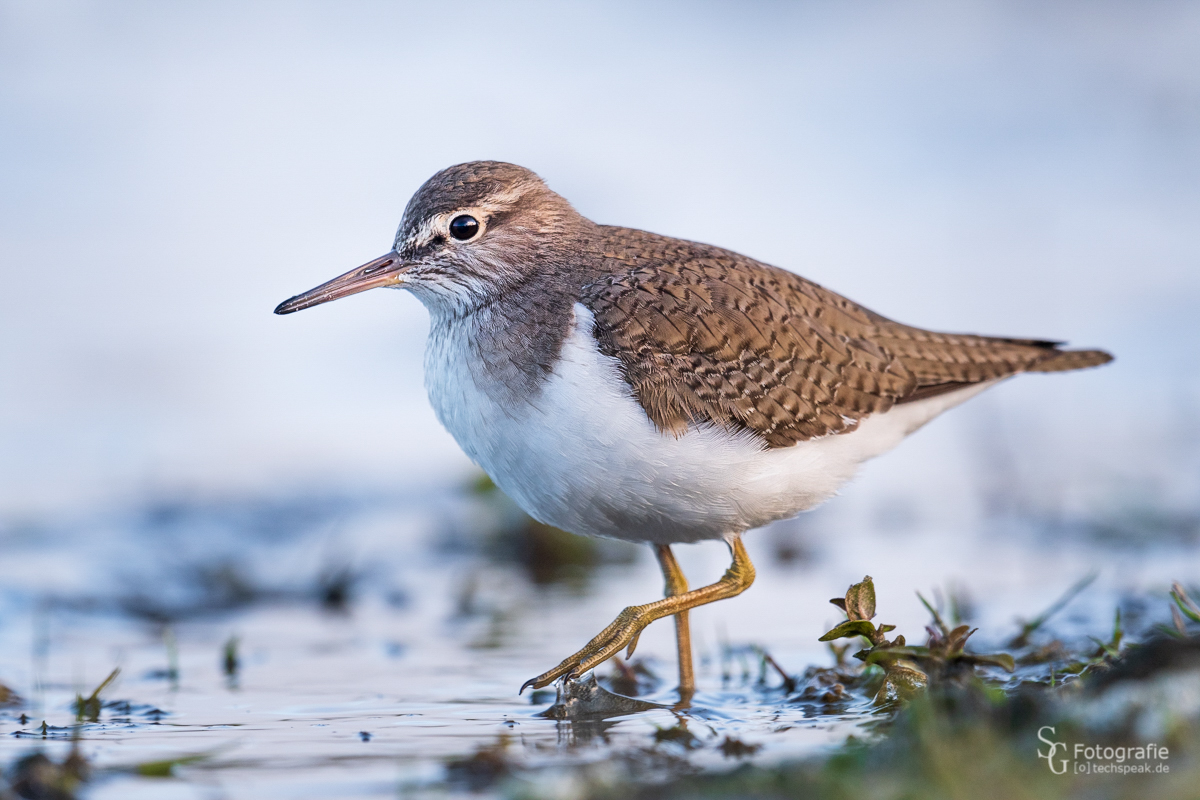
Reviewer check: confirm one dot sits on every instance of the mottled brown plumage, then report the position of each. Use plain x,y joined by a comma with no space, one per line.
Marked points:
707,335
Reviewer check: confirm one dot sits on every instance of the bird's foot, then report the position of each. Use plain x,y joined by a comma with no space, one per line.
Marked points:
624,631
627,627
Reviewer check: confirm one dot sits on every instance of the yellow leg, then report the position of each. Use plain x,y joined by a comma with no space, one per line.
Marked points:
628,625
676,584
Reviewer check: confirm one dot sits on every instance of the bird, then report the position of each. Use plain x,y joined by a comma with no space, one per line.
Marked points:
624,384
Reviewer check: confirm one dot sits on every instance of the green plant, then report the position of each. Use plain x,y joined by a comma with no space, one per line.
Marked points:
907,669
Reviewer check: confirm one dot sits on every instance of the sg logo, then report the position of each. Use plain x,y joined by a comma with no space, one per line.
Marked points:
1053,750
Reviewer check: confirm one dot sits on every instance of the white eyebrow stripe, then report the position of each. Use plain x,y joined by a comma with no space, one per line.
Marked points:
489,206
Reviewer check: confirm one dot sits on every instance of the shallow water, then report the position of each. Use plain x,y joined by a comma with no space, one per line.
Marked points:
381,640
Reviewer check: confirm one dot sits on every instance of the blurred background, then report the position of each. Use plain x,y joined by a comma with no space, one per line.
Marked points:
171,172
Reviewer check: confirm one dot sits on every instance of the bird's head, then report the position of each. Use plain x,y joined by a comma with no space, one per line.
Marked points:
470,233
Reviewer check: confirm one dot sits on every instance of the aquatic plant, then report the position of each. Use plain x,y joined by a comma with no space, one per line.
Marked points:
907,668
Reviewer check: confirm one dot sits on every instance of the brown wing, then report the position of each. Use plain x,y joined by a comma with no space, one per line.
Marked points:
706,335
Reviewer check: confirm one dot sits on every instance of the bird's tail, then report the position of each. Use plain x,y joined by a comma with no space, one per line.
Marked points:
1065,360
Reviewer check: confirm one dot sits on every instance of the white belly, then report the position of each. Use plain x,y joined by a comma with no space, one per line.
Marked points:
583,456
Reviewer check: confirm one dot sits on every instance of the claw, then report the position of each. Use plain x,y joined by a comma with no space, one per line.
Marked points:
633,645
600,649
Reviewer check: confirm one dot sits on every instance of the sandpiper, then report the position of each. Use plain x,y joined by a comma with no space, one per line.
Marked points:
619,383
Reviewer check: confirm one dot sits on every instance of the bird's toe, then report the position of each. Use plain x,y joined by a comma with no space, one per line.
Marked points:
624,630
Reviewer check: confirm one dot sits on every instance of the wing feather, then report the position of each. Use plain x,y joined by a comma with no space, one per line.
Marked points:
704,335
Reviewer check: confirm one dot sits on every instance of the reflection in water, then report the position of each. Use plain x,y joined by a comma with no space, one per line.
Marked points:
586,700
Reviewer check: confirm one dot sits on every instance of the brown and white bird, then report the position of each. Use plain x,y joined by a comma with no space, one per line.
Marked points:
619,383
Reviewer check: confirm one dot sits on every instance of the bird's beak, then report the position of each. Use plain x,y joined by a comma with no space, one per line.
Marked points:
386,270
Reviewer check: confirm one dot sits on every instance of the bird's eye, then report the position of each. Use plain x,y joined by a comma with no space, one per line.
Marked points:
463,227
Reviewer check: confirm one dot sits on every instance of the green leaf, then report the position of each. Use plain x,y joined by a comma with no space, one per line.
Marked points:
860,600
1185,603
1174,634
1002,660
851,627
882,655
933,612
1104,649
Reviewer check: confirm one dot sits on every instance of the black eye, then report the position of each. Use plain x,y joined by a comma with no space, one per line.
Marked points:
463,227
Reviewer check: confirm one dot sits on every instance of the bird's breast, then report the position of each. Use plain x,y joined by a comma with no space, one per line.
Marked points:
580,453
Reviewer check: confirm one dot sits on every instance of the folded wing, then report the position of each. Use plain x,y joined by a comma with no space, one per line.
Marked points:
704,335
